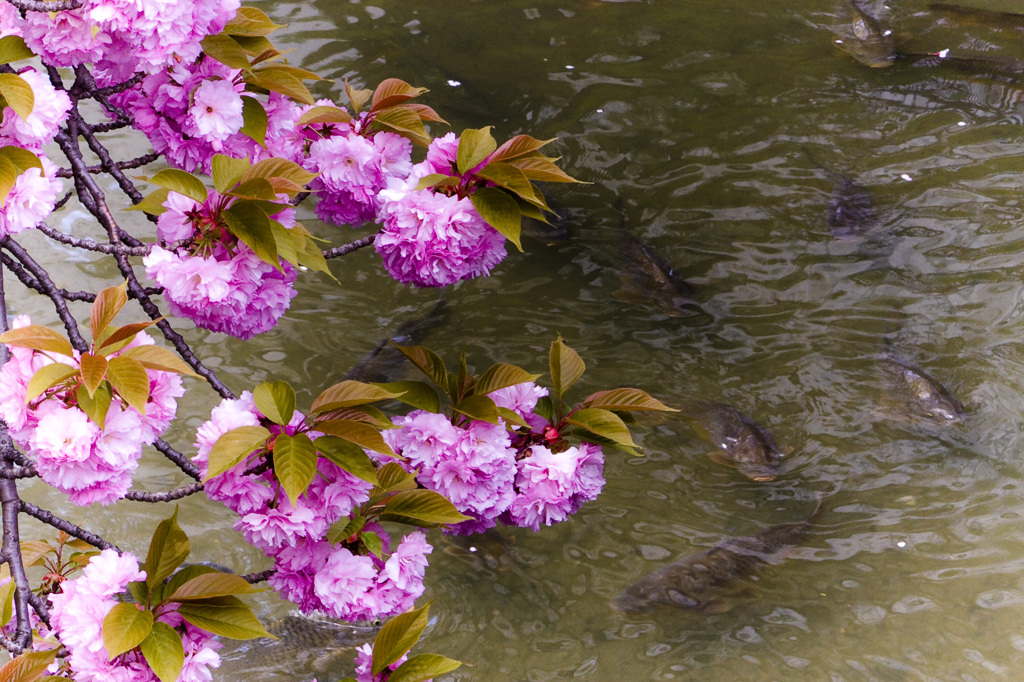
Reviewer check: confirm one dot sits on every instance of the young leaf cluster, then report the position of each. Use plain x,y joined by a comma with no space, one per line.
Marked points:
249,200
395,639
500,180
99,377
203,596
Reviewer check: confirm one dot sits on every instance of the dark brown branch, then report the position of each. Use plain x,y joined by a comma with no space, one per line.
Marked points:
91,245
122,165
164,496
54,294
40,6
40,607
179,459
12,473
121,87
50,519
259,577
349,248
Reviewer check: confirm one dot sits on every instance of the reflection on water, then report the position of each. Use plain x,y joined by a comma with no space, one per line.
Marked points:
697,117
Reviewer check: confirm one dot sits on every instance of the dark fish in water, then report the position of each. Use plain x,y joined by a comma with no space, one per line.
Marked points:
866,40
385,362
651,278
704,581
851,212
921,395
743,443
972,16
998,68
318,643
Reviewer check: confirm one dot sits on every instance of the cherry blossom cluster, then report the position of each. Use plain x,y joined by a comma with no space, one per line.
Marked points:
310,571
493,474
120,37
430,238
72,453
218,281
77,618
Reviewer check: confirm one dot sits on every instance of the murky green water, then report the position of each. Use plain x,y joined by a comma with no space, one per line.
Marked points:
703,118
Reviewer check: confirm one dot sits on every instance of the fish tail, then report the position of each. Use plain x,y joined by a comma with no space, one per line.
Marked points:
819,498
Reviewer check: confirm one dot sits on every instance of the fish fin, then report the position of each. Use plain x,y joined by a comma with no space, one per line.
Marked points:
631,294
787,451
682,599
718,457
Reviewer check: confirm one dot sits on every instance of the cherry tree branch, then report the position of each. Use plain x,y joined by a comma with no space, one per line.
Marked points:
164,496
346,249
51,519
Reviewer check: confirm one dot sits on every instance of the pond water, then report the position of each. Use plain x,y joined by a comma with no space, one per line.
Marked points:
712,131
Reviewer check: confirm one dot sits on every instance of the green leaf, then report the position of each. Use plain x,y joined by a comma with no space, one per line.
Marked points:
139,591
179,578
94,370
511,418
310,256
324,114
124,628
18,94
294,464
427,361
153,204
509,177
8,178
38,337
276,401
373,543
96,405
418,394
227,52
23,159
129,379
357,97
164,652
158,358
475,145
501,375
392,91
13,49
438,180
254,120
603,423
233,447
257,188
181,182
424,112
393,477
28,667
423,667
212,584
478,407
343,529
277,168
350,393
566,366
250,21
348,456
542,169
167,550
227,172
122,336
361,434
398,636
419,507
500,211
7,599
251,225
46,377
227,617
404,122
519,145
625,400
282,81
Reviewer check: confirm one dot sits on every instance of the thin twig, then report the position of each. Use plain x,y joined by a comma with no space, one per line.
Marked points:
51,519
179,459
164,496
346,249
259,577
40,6
90,245
122,165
